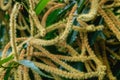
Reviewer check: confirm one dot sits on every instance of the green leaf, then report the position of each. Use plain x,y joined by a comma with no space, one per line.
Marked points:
6,59
41,5
53,16
32,66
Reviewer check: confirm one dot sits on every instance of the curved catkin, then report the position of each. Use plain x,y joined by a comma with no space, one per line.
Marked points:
109,72
66,74
43,22
88,68
22,23
13,29
110,23
113,53
37,23
102,2
114,19
91,52
8,45
5,50
89,28
100,67
56,60
19,71
74,58
16,76
32,4
4,6
44,42
66,58
57,57
42,30
92,13
116,3
71,50
2,75
36,76
26,73
49,62
68,25
63,35
57,25
31,26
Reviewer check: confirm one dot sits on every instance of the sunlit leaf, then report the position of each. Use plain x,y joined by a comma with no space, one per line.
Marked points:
41,5
6,59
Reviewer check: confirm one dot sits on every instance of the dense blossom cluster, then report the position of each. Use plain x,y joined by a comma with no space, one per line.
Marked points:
95,61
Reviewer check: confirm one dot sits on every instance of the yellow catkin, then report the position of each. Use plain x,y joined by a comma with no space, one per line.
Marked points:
105,60
62,37
47,42
2,74
37,23
8,45
91,52
116,3
28,52
16,76
93,67
83,48
92,13
32,4
102,2
22,23
31,26
19,47
97,52
66,74
30,18
42,30
48,62
43,22
22,54
114,18
36,76
44,42
89,28
87,67
55,59
113,53
110,23
21,27
13,29
69,24
70,49
67,58
100,67
4,53
5,6
26,74
19,72
57,25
